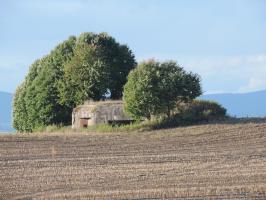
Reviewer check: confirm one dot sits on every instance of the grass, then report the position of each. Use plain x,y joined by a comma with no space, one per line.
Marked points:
108,128
140,126
136,126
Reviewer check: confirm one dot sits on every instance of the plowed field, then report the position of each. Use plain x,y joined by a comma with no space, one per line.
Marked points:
225,161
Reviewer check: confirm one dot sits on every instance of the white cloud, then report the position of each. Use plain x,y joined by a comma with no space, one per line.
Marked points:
230,74
257,59
209,66
254,84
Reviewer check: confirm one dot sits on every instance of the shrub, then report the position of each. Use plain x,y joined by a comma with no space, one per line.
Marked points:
201,110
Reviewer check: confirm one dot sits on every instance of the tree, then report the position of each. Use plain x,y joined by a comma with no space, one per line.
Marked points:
155,88
99,65
19,109
141,92
85,77
176,86
119,60
76,70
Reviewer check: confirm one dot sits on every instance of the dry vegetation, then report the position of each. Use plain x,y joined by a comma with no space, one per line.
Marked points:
225,161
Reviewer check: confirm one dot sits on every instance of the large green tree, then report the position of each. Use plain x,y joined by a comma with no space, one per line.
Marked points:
141,92
78,69
36,101
155,88
85,77
119,60
176,86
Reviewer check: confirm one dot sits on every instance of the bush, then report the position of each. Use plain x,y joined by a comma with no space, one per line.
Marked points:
195,112
201,110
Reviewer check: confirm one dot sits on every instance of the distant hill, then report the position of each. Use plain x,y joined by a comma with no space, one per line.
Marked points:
5,112
251,104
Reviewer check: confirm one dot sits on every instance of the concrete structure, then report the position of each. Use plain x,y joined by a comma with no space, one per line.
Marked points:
92,113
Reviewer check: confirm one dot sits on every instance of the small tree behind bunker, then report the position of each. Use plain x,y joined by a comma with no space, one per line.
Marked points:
155,89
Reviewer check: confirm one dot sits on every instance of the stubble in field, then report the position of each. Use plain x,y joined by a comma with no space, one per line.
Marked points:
198,162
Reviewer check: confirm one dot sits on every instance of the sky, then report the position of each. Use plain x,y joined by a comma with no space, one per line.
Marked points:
224,41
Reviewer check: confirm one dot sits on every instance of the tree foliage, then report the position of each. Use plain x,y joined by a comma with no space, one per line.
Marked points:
141,92
119,60
78,69
85,77
155,88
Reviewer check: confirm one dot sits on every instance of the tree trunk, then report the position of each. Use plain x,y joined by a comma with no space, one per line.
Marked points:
168,111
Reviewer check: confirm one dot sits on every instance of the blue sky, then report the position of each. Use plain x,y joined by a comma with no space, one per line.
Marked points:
222,40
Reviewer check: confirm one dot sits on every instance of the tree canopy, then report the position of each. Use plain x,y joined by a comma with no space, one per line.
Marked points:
78,69
155,88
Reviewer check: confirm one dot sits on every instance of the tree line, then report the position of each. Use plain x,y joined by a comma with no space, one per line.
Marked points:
92,67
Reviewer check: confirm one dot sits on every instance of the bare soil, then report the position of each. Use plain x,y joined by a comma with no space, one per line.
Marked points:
224,161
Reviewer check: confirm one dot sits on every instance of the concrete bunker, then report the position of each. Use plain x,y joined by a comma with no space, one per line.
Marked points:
100,112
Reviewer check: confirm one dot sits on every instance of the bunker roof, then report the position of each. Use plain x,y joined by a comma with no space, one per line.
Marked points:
89,104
